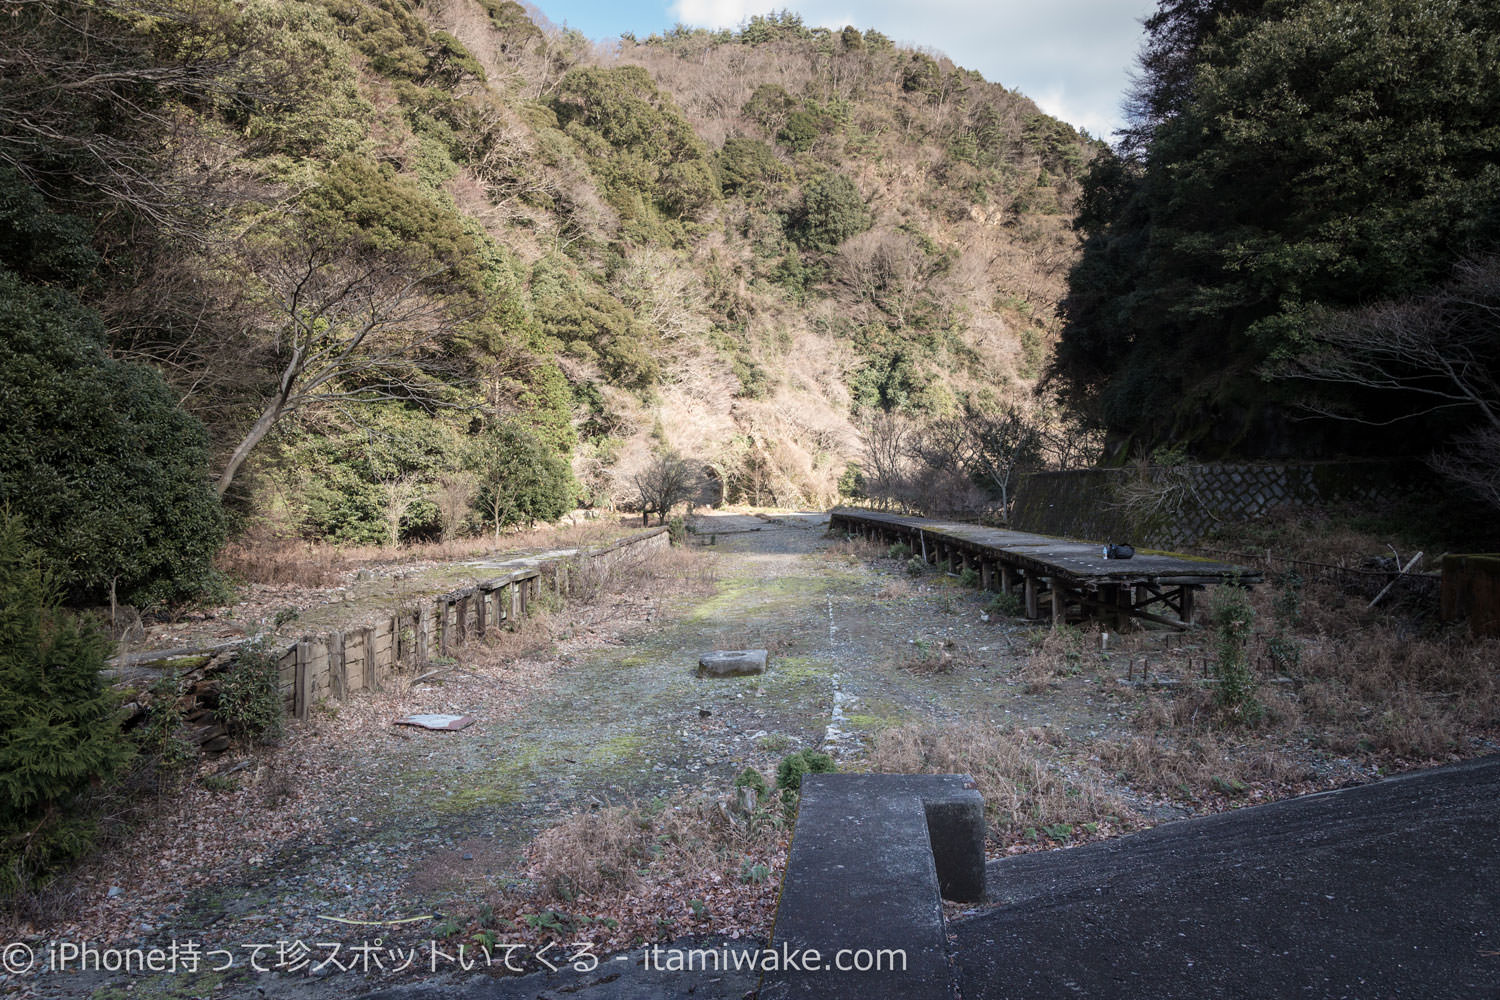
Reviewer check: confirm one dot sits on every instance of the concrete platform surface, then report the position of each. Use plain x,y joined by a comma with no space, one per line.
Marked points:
1388,890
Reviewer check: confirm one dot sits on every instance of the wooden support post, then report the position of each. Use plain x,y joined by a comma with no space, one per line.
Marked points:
922,536
481,612
462,623
513,604
1125,601
443,608
303,682
1187,605
1059,603
419,631
1007,579
338,675
1033,606
372,671
986,574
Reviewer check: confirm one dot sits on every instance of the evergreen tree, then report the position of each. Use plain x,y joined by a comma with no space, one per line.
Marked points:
108,470
59,736
520,478
1291,156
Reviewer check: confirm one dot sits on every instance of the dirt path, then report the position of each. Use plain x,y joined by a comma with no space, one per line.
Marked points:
404,824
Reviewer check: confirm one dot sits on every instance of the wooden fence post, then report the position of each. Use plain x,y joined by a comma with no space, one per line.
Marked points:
424,635
372,679
337,668
303,682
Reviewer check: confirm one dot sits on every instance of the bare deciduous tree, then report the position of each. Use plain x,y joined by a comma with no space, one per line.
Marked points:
1441,351
401,492
455,490
666,481
345,323
1003,445
886,453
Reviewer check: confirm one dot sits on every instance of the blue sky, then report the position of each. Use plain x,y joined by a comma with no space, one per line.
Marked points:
1073,57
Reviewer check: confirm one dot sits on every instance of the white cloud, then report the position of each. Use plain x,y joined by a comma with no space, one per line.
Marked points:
716,13
1073,57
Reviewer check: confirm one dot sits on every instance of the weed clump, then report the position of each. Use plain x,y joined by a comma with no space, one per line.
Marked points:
794,767
250,705
1233,619
1021,793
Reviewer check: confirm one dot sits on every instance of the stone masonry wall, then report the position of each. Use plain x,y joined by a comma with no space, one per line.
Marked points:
1179,505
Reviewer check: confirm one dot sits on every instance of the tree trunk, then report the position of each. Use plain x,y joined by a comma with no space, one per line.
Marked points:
258,430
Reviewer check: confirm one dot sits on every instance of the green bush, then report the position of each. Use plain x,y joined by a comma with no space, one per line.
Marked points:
832,210
751,778
794,767
58,732
852,485
1011,605
1232,619
160,738
520,478
250,704
747,165
109,473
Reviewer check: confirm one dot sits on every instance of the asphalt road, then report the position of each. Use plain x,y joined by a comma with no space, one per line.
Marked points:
1382,891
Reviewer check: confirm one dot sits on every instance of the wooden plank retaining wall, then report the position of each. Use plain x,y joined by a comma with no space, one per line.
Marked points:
334,665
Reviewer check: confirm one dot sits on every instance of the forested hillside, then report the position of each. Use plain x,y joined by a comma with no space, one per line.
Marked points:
1293,251
378,270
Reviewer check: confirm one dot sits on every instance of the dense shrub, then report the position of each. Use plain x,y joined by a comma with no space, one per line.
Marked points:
58,734
521,480
832,210
794,767
108,471
250,705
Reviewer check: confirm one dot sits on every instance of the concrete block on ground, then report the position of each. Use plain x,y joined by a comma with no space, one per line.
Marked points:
872,856
732,663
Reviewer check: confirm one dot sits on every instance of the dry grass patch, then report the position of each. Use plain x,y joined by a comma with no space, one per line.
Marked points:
938,656
1203,767
622,875
657,574
1056,653
1025,796
261,556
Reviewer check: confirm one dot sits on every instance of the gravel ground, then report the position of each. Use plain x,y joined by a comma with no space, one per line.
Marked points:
353,825
354,831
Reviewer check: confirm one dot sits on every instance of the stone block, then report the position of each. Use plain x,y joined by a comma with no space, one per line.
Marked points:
732,663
